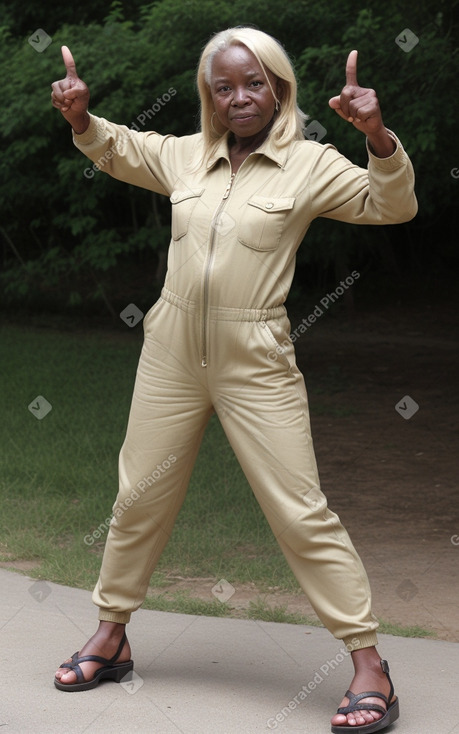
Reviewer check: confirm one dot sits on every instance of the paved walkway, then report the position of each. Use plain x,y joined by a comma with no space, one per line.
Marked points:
200,675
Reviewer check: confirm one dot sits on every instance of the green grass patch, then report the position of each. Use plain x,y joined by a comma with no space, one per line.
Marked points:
182,603
259,609
387,628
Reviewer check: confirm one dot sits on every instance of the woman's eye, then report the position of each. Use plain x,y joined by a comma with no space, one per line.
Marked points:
256,83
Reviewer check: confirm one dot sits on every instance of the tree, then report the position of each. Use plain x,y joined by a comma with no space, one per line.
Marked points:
74,236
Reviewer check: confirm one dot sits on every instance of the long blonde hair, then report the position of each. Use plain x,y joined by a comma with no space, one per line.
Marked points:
289,120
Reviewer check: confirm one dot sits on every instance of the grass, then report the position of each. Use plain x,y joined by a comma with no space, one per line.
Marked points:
59,477
184,604
259,609
388,628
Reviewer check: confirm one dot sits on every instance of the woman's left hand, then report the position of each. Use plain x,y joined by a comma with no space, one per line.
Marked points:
361,107
357,104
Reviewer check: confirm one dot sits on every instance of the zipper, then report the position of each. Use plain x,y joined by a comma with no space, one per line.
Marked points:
207,270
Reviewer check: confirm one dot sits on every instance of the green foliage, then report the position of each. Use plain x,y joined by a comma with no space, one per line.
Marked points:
64,229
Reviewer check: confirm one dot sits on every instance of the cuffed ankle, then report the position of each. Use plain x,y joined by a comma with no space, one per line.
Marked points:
358,641
118,617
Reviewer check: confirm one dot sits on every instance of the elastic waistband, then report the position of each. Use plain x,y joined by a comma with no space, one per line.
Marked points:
222,313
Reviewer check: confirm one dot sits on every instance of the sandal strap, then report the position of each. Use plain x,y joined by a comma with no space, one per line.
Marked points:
354,704
87,659
76,669
75,664
118,652
355,698
385,669
361,707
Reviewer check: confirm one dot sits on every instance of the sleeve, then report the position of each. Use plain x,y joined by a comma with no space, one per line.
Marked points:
381,194
146,159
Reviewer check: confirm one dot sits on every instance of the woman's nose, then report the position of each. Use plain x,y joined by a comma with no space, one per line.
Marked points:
240,96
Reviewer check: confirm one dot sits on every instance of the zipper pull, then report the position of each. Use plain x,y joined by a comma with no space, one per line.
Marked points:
228,188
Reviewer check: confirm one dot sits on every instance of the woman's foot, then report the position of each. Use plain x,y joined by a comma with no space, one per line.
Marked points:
104,643
369,676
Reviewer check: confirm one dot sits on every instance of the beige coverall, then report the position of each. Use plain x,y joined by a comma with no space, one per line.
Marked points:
208,346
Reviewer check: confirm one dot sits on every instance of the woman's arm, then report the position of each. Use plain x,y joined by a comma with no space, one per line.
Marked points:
382,194
144,159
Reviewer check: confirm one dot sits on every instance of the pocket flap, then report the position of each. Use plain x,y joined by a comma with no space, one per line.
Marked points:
272,204
177,196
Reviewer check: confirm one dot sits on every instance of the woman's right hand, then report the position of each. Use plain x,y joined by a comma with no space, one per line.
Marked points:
71,95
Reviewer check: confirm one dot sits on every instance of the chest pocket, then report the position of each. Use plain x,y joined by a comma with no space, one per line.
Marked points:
183,204
263,220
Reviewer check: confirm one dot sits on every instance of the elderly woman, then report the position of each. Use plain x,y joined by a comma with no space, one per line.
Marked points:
243,191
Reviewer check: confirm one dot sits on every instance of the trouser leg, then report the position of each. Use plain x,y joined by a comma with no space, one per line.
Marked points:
170,409
264,411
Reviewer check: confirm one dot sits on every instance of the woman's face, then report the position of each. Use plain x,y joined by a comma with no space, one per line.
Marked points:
240,92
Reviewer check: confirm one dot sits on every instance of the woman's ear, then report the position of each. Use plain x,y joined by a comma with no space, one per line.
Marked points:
280,89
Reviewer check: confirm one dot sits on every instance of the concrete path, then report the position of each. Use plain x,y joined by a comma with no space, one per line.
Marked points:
200,675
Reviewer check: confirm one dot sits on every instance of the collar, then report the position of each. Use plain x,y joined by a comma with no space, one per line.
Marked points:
267,148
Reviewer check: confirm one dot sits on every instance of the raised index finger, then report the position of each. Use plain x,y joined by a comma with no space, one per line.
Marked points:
351,69
69,62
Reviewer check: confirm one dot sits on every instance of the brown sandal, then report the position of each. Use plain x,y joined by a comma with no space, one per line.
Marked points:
111,670
390,714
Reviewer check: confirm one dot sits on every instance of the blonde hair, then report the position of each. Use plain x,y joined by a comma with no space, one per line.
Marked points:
289,120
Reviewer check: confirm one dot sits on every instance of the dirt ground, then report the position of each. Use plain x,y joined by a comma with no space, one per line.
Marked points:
390,474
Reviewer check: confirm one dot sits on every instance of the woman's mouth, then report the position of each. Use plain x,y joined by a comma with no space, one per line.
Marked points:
242,118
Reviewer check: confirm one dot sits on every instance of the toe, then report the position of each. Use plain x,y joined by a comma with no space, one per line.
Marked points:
357,718
64,675
370,716
62,671
339,720
363,717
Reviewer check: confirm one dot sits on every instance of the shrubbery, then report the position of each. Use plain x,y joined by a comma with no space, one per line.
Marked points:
72,239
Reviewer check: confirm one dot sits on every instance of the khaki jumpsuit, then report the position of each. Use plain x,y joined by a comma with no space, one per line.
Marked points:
209,345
